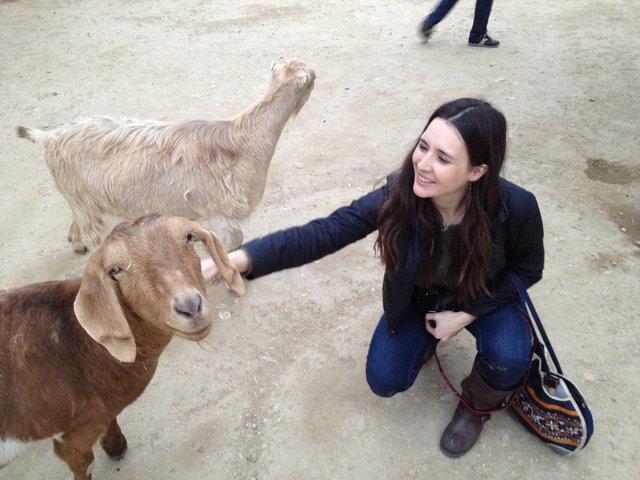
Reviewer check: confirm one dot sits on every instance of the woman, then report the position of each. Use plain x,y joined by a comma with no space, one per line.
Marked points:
449,232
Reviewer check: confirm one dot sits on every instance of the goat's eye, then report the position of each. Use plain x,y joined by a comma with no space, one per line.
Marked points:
115,270
190,237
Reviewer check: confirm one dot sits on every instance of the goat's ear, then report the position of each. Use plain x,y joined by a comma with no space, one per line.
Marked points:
99,313
278,65
228,270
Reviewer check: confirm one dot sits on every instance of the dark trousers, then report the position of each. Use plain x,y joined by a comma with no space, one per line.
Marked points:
503,342
480,18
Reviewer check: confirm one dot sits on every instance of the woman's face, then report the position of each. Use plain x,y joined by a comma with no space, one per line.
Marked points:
441,165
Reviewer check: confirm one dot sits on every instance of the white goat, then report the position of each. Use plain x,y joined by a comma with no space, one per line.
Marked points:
75,353
196,169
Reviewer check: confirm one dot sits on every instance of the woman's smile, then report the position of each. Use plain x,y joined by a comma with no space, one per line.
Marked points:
424,181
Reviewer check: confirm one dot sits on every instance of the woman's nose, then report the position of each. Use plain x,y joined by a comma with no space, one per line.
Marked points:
424,162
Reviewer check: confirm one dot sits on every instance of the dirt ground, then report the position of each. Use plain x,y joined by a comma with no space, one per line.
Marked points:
278,390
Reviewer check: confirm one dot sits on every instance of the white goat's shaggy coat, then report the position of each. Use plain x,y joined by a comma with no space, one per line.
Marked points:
196,169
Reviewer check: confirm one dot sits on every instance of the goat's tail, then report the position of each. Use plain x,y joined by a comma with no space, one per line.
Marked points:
31,134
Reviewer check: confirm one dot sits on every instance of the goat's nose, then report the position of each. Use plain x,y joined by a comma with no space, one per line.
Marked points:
188,305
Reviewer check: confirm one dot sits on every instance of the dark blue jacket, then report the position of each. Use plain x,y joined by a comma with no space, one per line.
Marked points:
517,236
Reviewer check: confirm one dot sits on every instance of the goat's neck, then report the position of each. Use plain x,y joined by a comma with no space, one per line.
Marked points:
150,341
265,119
255,134
129,380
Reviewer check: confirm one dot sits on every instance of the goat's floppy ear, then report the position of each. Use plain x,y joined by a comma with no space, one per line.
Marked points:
99,313
228,270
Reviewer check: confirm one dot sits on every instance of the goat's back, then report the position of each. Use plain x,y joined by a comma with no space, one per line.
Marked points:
127,167
52,373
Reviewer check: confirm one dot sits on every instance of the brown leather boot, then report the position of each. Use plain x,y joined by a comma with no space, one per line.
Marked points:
465,427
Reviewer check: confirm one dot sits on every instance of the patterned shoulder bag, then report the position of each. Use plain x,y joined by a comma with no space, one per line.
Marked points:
549,405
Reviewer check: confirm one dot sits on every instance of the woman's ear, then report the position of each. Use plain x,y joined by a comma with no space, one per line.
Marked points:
477,172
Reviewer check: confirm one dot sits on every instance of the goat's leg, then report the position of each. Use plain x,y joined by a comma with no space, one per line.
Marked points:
85,229
235,236
114,442
230,233
75,240
76,450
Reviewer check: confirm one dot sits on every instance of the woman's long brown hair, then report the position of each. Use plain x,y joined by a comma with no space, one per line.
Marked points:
484,132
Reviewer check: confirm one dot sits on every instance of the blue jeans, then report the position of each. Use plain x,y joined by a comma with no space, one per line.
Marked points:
503,342
480,17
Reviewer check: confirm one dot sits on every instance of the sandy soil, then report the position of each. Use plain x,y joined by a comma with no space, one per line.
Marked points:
278,391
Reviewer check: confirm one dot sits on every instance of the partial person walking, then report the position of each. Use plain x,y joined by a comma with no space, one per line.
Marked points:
478,36
450,231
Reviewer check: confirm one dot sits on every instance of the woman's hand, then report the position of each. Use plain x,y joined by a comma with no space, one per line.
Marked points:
211,272
446,325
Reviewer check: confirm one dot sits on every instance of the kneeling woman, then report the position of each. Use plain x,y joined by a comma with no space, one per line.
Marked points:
450,230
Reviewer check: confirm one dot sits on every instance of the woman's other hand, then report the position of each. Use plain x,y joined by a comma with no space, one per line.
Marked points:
446,325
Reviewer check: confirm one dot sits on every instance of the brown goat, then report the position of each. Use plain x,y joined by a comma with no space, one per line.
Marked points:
196,169
75,353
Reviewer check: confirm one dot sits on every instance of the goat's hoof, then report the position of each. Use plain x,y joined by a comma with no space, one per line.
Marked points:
114,447
80,250
117,458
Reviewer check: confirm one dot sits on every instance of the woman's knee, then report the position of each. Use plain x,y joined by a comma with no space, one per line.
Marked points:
385,382
502,374
504,352
394,360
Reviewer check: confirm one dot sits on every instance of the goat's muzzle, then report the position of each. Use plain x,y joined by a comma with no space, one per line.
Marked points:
188,305
191,319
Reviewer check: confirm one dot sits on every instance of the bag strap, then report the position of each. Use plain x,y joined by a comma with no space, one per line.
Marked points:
527,303
506,403
530,311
